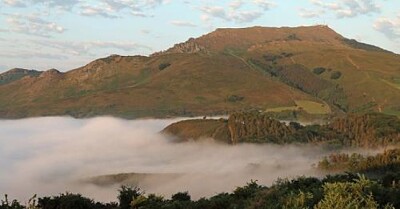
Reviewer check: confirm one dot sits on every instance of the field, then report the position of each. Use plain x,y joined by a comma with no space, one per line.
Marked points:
310,107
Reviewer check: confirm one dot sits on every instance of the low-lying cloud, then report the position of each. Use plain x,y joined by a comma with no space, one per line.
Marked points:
48,156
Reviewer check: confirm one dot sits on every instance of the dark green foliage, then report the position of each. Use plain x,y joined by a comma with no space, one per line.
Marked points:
6,204
299,193
181,196
164,65
336,75
66,201
319,70
247,191
235,98
126,195
388,161
369,130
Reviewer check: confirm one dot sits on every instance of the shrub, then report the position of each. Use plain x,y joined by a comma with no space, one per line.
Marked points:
292,37
162,66
319,70
181,196
336,75
126,195
235,98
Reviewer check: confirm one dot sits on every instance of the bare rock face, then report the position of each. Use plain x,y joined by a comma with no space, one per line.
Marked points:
51,73
188,47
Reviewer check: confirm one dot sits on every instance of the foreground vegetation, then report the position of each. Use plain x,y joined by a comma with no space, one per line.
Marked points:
339,191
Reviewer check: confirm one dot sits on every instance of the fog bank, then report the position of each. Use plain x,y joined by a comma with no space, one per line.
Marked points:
48,156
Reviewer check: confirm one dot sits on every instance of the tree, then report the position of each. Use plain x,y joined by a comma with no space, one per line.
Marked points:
126,195
336,75
348,195
319,70
181,196
162,66
298,201
5,204
66,201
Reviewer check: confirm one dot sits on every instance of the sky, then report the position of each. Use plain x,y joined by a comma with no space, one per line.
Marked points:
67,34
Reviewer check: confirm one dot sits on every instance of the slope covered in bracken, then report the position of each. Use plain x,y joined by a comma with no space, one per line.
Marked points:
223,71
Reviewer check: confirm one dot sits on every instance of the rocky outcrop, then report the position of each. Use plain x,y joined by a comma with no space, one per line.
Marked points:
188,47
50,73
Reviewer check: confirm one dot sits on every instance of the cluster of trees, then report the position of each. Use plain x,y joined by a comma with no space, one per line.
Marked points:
368,130
298,76
253,126
339,191
388,161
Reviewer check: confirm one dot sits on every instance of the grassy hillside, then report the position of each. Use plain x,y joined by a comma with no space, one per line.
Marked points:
224,71
193,84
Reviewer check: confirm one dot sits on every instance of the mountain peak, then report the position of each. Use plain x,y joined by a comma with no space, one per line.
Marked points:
17,74
51,73
244,38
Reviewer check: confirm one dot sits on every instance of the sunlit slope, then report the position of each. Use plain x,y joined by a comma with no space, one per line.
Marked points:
192,84
223,71
369,77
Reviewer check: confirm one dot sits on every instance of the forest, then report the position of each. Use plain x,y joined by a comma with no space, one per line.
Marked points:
367,130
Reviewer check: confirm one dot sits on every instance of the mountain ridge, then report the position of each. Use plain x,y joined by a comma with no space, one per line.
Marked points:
225,70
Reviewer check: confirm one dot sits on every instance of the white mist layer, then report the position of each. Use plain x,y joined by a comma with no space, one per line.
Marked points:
46,156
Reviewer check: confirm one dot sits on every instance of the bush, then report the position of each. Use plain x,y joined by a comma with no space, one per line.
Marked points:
235,98
319,70
181,196
67,200
162,66
292,37
126,195
336,75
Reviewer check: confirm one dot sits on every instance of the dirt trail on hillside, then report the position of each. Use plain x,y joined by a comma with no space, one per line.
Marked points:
352,62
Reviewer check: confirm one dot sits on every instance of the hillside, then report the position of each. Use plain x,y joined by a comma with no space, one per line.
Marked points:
224,71
367,130
16,74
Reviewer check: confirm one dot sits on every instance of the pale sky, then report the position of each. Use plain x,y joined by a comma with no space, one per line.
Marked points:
66,34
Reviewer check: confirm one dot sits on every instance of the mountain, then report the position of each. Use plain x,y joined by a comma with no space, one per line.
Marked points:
16,74
275,69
